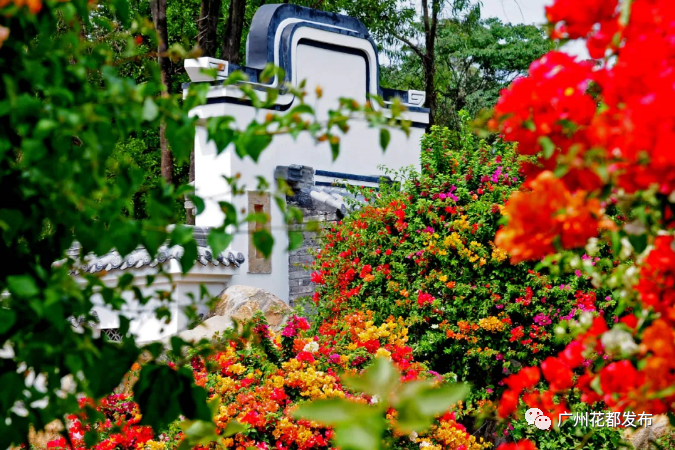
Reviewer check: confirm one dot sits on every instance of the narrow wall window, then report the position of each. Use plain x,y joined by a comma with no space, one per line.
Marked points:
258,202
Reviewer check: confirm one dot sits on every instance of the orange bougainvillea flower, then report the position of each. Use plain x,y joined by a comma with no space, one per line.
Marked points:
33,5
547,211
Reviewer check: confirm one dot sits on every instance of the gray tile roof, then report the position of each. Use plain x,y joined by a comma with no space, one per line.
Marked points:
337,197
141,258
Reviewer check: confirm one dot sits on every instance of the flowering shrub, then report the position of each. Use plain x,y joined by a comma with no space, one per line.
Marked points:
427,253
261,382
118,429
599,144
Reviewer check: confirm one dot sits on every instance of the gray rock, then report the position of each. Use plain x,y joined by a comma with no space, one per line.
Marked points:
242,302
206,329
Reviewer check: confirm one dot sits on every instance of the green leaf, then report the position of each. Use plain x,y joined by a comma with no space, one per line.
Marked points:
189,257
295,240
181,235
218,241
233,427
230,213
22,286
153,239
106,372
385,137
156,393
193,399
122,12
435,401
334,148
199,204
333,411
220,131
380,378
91,438
7,319
363,434
302,108
150,110
263,241
197,432
252,143
547,145
639,242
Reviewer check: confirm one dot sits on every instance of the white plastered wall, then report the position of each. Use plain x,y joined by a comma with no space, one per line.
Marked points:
339,75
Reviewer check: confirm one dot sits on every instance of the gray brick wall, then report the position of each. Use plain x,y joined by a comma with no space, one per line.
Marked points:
300,259
301,180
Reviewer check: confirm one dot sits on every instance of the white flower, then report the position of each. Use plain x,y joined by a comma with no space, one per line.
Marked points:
586,319
630,276
311,347
619,341
592,246
626,249
413,436
434,326
374,400
424,444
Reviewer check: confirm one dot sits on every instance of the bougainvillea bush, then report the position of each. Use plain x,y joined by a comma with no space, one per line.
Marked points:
602,133
427,253
260,382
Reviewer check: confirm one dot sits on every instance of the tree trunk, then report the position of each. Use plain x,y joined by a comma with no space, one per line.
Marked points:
429,60
207,27
234,28
158,8
429,88
189,214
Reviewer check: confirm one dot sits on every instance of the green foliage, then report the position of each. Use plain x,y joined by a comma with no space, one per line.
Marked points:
427,253
361,427
76,164
475,59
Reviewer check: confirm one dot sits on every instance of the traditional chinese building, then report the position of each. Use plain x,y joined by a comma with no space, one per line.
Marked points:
328,50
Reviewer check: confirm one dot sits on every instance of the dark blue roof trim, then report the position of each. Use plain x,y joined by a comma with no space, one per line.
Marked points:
260,44
351,176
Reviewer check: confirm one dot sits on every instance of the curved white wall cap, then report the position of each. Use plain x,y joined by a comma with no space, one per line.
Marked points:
276,33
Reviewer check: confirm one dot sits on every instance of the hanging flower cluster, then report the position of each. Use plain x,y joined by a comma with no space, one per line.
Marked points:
603,145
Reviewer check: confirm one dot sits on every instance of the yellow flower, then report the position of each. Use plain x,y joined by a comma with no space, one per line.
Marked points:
383,352
237,369
491,324
443,278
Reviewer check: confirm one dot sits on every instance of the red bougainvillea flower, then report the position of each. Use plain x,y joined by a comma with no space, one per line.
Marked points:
657,279
508,403
549,210
557,373
527,378
523,444
539,105
619,377
572,356
596,19
424,299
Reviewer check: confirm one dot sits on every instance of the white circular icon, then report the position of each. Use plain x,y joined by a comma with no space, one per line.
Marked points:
532,414
542,422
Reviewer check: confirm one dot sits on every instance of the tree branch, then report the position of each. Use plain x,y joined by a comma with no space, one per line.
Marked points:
412,46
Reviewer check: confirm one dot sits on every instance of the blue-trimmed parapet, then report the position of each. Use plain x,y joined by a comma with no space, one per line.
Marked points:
308,44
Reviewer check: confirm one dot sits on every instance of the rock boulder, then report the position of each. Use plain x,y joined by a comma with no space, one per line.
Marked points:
242,302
